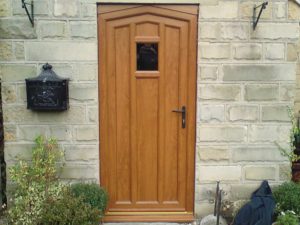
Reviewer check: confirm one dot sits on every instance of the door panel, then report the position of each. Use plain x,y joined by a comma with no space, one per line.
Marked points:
147,59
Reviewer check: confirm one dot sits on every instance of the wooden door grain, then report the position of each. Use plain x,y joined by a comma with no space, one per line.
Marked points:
147,158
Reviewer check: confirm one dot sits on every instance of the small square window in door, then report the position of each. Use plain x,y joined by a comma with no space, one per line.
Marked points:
147,56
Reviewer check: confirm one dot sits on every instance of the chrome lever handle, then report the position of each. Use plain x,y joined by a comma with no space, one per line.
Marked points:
183,113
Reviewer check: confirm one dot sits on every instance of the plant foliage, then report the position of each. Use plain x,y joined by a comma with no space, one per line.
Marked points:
39,198
287,218
287,197
92,194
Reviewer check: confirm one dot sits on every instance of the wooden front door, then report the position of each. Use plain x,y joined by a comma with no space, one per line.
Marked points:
147,82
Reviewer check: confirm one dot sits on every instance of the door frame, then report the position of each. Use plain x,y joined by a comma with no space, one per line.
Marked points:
192,83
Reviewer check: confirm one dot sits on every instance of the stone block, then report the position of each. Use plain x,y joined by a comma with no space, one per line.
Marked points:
79,172
287,92
211,113
235,31
17,114
214,51
270,72
5,8
223,92
208,72
53,29
224,10
41,8
257,154
275,113
268,133
292,53
61,133
15,28
93,114
29,133
285,172
88,9
86,72
246,10
207,153
275,51
86,133
260,173
293,10
74,115
261,92
209,30
243,113
83,92
83,30
6,53
17,72
276,31
221,173
9,94
10,133
16,152
19,50
242,191
223,133
248,51
279,10
66,8
61,51
81,152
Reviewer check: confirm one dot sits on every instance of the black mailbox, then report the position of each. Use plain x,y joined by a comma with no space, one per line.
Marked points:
47,92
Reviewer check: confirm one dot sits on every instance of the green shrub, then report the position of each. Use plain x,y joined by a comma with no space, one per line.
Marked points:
91,194
287,197
287,218
39,197
69,210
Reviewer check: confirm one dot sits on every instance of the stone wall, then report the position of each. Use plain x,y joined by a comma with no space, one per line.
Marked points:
245,83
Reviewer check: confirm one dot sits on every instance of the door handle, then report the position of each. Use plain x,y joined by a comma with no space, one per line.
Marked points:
183,114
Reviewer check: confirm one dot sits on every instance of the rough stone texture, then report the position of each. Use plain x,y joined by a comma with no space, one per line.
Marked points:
243,113
276,31
16,29
220,92
16,72
287,92
53,29
257,154
68,8
268,133
249,51
293,10
260,173
86,133
224,10
257,72
213,112
292,53
222,173
261,92
222,133
275,113
234,31
246,10
81,152
279,11
208,72
6,53
88,10
4,8
274,51
214,51
213,154
9,94
62,51
83,30
209,30
79,172
83,92
19,50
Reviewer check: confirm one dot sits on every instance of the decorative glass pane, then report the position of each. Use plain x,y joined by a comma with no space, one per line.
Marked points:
147,56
